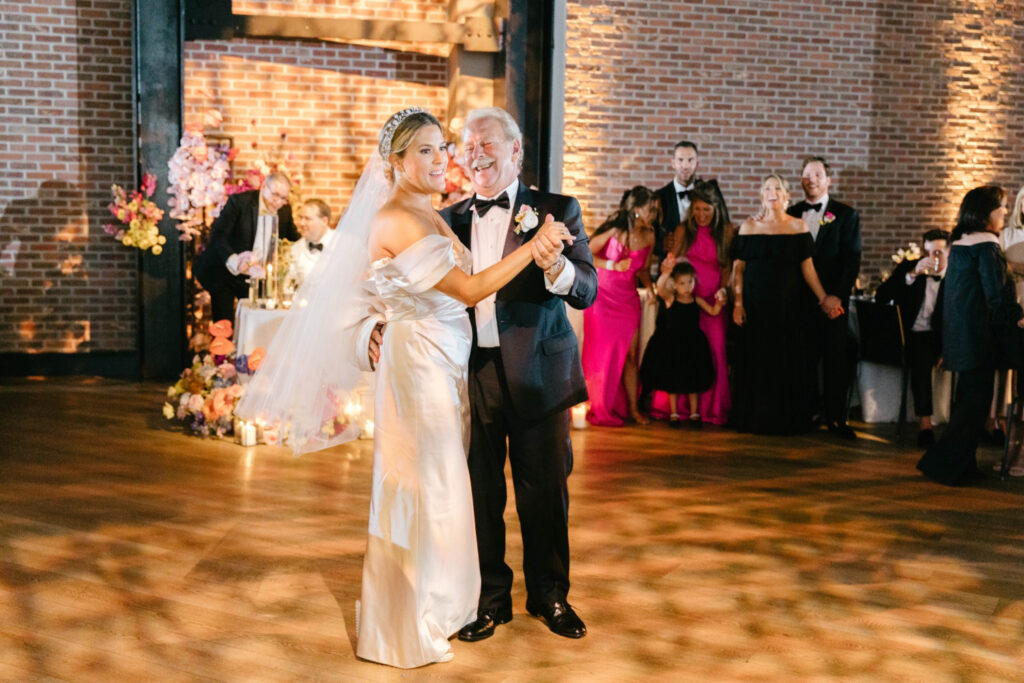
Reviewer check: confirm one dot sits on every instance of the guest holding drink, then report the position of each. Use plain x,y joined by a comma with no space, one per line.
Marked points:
979,313
774,390
611,327
703,239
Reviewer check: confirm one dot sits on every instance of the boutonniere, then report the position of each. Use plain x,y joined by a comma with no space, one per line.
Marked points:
827,218
526,219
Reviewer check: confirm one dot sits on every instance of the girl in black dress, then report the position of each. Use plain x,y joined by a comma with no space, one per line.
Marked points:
678,359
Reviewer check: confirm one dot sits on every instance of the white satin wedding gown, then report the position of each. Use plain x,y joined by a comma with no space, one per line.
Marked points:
421,578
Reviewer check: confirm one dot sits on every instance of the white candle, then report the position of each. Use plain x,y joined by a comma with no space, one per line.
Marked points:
579,416
248,434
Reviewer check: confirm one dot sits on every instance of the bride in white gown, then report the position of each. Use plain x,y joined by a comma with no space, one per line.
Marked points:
421,579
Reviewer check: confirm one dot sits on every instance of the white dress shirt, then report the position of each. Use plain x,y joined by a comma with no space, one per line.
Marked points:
813,218
683,203
488,237
303,259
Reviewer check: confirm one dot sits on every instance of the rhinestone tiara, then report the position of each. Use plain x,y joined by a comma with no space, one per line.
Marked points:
388,131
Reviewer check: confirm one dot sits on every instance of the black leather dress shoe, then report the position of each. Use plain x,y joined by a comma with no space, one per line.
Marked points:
925,438
560,617
486,621
843,431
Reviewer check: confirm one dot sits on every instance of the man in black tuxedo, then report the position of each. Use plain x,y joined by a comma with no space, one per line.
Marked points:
915,286
835,228
524,375
233,232
675,197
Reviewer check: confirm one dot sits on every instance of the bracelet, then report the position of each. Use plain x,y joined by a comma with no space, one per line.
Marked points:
609,264
557,265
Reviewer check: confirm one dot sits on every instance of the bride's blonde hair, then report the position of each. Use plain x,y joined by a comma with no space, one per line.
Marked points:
397,134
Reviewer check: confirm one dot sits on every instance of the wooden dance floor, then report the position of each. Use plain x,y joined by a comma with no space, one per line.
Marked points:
133,552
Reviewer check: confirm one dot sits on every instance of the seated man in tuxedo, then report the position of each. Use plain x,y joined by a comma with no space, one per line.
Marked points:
315,228
233,232
914,286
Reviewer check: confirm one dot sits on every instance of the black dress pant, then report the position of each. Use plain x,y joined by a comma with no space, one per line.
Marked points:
834,349
224,289
921,357
540,456
952,460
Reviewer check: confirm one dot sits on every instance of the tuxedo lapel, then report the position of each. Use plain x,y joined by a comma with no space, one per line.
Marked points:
462,222
512,240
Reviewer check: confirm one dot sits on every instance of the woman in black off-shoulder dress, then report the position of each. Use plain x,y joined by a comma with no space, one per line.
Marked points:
773,377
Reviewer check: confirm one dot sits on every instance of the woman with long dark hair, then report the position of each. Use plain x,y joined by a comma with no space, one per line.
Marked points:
611,327
703,239
979,309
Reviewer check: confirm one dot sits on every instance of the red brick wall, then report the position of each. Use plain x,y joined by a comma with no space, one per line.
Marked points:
65,113
328,99
912,102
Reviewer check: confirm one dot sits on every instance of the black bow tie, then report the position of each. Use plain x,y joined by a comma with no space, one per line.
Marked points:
482,206
684,194
814,207
315,247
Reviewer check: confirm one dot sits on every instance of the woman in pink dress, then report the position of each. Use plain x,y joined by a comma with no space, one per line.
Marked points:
611,327
703,238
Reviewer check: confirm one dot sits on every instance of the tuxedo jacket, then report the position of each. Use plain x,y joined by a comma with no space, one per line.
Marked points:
234,231
910,298
836,248
539,350
670,217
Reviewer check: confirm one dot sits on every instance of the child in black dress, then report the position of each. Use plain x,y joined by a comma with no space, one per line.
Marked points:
678,359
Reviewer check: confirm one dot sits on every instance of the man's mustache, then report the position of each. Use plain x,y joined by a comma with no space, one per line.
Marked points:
482,161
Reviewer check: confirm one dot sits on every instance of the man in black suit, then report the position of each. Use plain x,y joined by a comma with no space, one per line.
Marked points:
524,375
835,228
233,232
675,197
914,286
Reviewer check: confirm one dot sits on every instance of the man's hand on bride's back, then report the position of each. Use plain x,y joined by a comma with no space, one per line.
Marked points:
376,339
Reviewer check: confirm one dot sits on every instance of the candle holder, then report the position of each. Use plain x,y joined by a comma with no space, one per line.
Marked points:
579,415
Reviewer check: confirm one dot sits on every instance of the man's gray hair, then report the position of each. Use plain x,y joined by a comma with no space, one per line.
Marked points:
508,124
278,177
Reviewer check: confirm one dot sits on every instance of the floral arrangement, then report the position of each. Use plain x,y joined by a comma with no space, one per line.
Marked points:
137,211
205,395
911,253
199,175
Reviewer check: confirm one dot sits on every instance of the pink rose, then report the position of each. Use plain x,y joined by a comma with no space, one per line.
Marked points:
227,370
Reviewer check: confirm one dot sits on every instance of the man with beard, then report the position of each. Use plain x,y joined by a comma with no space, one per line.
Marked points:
675,197
835,228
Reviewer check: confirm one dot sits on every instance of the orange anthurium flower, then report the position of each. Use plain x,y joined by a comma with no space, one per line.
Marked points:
256,359
221,346
221,328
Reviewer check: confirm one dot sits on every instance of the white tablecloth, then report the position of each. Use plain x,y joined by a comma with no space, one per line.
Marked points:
878,387
255,327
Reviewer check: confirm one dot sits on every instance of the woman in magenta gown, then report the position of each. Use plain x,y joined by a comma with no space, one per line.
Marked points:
703,238
611,327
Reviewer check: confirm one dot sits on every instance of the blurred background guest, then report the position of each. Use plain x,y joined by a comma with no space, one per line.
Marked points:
315,228
235,231
704,238
914,286
979,308
611,327
774,388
